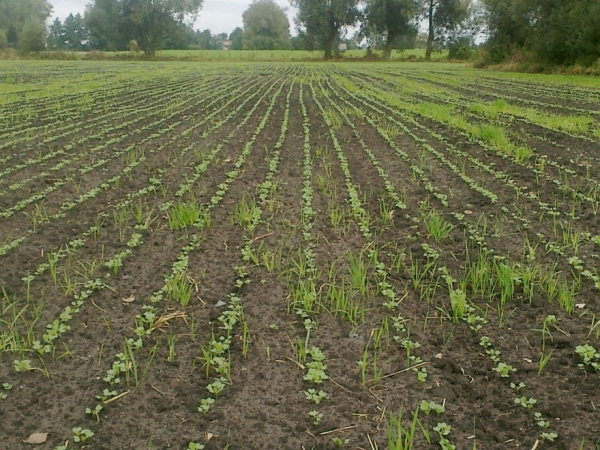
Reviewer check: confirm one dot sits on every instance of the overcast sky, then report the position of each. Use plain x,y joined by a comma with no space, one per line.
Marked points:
220,16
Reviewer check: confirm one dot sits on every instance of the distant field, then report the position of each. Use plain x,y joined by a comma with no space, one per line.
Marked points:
298,256
244,55
283,55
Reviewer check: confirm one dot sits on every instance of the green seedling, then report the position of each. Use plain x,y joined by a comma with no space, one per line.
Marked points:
540,420
443,430
427,407
315,396
525,402
550,437
316,417
339,442
217,386
22,365
246,214
180,288
106,395
358,273
504,370
205,404
590,357
316,369
94,412
81,434
518,387
171,343
246,338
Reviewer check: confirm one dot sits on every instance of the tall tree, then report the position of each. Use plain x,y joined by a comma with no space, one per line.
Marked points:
3,39
567,32
76,35
148,22
266,26
443,16
56,35
323,20
15,14
32,37
392,19
237,39
510,26
103,21
182,37
204,39
216,43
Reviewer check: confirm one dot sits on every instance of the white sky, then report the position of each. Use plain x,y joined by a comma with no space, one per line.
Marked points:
219,16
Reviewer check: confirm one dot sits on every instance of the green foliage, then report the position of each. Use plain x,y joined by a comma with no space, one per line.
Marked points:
237,39
15,14
401,437
70,35
151,23
266,26
444,18
32,37
316,417
567,32
460,49
102,18
393,19
315,396
204,40
320,21
82,434
3,39
555,31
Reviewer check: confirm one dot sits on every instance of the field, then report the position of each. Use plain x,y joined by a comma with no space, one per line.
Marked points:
298,256
282,55
238,55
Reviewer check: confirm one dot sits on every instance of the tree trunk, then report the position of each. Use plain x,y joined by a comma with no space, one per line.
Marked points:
329,45
149,48
431,32
330,38
388,46
150,35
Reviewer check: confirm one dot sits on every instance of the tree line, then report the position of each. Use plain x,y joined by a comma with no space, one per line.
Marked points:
554,31
562,32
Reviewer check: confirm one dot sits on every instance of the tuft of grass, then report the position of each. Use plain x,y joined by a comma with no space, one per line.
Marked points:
185,214
402,438
437,227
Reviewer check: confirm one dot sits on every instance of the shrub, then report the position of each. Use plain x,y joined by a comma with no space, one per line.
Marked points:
3,39
460,49
32,37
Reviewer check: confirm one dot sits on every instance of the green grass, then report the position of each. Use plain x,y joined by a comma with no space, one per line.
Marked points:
286,55
239,56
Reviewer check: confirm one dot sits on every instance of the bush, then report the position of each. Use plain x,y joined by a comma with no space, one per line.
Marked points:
3,39
460,49
60,55
95,55
133,46
32,37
